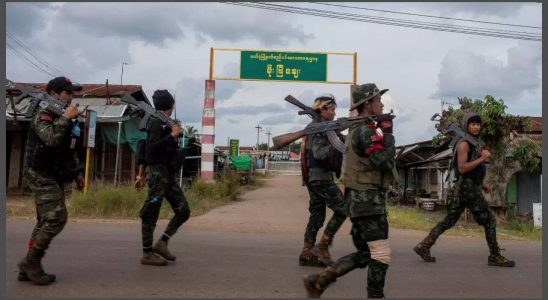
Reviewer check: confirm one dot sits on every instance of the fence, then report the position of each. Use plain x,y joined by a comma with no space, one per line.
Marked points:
284,167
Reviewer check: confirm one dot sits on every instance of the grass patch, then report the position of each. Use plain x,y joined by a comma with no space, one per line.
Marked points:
411,218
124,202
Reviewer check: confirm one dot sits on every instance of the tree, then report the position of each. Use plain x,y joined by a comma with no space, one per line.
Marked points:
263,146
190,131
295,147
502,133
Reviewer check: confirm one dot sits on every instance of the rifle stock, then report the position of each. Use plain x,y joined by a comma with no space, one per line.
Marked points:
283,140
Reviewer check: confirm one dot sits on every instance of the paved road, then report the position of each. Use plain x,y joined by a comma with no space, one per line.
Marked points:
249,249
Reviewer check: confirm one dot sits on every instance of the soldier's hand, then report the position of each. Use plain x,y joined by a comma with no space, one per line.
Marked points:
485,154
80,182
139,183
386,126
71,112
176,131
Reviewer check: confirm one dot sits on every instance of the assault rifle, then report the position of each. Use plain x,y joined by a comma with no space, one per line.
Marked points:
39,98
149,112
458,134
331,128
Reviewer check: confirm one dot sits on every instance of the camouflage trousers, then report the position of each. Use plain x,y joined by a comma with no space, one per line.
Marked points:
324,193
469,196
51,212
162,184
364,229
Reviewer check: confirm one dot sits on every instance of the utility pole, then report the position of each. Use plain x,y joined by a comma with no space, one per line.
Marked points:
122,74
258,130
268,133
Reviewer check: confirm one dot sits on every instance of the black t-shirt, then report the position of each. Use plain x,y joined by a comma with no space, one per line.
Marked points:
161,146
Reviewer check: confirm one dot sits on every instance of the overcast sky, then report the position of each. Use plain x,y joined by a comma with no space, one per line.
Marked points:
166,46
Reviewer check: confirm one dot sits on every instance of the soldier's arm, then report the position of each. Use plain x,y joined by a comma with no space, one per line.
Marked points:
50,130
155,140
380,149
321,149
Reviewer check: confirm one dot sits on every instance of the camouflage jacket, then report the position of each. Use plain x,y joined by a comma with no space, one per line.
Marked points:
49,148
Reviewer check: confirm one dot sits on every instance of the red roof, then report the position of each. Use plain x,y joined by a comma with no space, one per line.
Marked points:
537,124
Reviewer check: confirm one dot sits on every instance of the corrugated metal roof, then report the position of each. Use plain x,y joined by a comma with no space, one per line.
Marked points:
105,113
99,90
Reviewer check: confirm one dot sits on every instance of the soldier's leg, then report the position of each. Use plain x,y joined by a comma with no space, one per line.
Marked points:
334,200
52,216
315,222
375,232
455,209
157,186
316,284
484,217
181,210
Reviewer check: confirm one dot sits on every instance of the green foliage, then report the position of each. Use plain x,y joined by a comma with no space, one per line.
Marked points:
107,201
295,147
525,154
438,139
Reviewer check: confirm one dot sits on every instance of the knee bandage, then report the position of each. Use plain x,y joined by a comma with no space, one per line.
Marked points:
380,250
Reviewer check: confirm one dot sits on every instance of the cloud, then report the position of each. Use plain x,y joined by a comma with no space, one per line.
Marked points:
156,22
278,119
479,9
190,105
23,18
150,22
249,110
235,23
465,73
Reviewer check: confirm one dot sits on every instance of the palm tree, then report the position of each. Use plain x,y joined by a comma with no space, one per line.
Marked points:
190,131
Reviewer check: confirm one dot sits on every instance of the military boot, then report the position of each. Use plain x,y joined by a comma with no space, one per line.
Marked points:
316,284
161,248
22,276
31,267
153,259
374,294
322,250
423,248
497,260
307,258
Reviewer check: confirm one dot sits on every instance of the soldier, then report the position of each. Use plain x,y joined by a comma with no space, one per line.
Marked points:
161,159
368,169
470,171
50,162
320,160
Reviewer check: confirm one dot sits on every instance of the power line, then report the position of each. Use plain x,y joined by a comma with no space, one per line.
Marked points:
427,16
400,22
36,57
27,60
412,22
394,22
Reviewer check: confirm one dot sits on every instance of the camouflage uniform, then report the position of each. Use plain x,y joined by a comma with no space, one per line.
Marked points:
470,196
50,163
161,157
368,168
322,160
